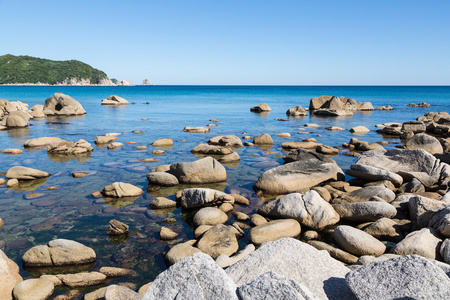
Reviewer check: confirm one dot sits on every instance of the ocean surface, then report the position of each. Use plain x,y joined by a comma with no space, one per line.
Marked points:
34,215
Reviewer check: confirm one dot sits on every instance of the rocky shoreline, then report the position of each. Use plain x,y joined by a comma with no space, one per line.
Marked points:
383,234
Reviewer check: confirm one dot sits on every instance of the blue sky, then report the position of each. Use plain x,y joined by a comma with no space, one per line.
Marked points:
239,42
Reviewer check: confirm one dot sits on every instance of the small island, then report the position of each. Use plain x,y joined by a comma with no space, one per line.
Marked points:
28,70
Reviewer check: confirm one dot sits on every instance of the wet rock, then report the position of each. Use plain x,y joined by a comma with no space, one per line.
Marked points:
365,211
218,240
290,258
205,170
121,189
336,253
211,149
64,147
385,229
359,130
162,179
11,151
263,107
79,174
103,139
149,159
357,241
371,173
114,100
117,292
196,197
264,139
196,129
37,288
405,277
241,200
117,228
82,279
60,104
193,277
164,142
296,111
309,210
167,233
179,251
114,145
424,242
59,252
229,158
422,104
425,142
24,173
226,140
161,202
297,175
209,216
332,113
274,230
116,272
9,276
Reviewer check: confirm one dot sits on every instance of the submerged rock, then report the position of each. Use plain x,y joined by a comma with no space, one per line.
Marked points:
117,228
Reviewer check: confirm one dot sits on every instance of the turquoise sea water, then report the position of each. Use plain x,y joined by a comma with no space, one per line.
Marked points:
70,212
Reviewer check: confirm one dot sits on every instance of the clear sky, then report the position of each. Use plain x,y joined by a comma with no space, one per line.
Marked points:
315,42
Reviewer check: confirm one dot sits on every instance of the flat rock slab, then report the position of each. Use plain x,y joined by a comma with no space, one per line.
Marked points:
193,277
405,277
293,259
297,175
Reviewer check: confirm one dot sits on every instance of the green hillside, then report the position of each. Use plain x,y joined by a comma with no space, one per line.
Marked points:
27,69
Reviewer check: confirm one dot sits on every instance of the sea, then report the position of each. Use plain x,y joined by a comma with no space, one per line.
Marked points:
34,215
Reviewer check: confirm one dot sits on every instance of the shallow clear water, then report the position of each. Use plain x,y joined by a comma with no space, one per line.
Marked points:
70,212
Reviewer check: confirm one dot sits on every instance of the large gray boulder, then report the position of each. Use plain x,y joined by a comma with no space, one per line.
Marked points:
59,252
24,173
437,218
357,241
370,173
272,286
205,170
424,242
297,175
408,164
196,197
293,259
193,277
365,211
425,142
404,277
310,210
60,104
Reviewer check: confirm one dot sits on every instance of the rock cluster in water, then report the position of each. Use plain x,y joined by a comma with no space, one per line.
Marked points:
387,228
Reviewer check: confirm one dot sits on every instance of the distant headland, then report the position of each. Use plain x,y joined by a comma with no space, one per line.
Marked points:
28,70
